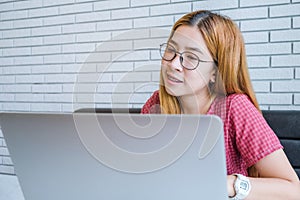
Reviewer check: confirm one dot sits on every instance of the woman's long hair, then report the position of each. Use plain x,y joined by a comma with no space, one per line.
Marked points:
226,46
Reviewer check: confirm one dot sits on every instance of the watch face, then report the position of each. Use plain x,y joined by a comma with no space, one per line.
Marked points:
244,185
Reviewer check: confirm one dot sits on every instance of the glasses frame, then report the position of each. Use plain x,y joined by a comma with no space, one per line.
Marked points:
180,56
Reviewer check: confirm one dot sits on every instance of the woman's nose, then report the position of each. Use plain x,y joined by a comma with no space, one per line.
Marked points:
176,63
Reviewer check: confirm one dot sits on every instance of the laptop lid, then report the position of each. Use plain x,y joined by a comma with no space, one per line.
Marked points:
117,156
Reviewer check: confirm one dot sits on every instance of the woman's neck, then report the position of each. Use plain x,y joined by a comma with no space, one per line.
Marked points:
195,104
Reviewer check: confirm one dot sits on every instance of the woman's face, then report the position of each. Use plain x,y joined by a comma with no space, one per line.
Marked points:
179,81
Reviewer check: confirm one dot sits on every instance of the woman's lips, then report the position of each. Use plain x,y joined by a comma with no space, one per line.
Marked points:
173,79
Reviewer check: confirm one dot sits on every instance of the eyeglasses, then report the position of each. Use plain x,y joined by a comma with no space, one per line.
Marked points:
188,60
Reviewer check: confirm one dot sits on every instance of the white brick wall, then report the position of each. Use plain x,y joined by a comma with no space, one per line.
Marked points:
51,48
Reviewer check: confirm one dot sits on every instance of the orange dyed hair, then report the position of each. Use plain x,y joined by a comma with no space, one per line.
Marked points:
226,46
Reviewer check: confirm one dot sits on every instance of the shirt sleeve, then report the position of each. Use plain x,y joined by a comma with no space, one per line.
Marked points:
254,138
152,105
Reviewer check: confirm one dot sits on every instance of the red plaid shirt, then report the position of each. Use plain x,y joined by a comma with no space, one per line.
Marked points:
248,137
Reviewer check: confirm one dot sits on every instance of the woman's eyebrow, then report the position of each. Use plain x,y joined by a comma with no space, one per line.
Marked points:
188,48
195,49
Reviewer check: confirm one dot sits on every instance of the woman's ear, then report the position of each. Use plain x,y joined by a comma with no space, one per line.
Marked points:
212,79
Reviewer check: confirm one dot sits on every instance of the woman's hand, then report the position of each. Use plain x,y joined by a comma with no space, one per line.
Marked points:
230,185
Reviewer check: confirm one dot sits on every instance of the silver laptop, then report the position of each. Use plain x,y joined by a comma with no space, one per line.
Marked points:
117,156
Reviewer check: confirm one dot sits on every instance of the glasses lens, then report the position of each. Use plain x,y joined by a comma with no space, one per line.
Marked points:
190,60
167,52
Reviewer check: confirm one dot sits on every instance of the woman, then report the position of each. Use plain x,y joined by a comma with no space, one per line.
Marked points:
204,71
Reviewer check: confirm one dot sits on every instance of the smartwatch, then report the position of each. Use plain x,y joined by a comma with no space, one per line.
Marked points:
242,187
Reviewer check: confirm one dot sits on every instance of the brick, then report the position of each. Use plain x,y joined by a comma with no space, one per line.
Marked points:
7,97
140,55
290,107
246,3
6,25
57,2
6,61
16,88
261,86
296,22
268,49
170,9
296,47
286,86
6,43
94,57
155,76
246,13
28,60
118,67
286,35
25,42
148,87
29,78
76,68
27,23
51,30
17,51
297,76
57,20
93,16
78,48
7,161
114,25
40,50
266,24
131,77
58,98
59,39
6,7
18,5
61,58
17,70
86,98
297,99
46,69
42,12
107,5
16,14
133,34
271,73
47,88
29,97
43,107
274,98
285,10
153,22
152,43
19,106
256,37
215,5
60,78
76,8
87,78
93,37
110,46
135,3
285,60
7,79
130,13
79,28
115,88
16,33
6,169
